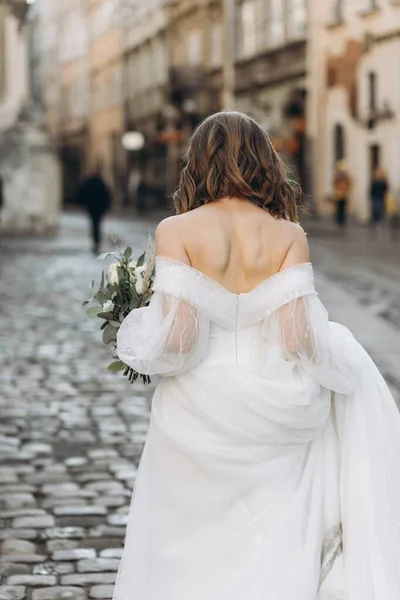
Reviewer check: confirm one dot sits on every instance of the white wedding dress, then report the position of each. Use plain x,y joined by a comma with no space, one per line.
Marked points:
271,469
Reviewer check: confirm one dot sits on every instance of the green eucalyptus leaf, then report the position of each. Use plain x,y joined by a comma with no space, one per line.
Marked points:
94,311
133,304
100,297
128,253
135,297
109,334
141,259
115,366
104,325
124,307
106,255
108,316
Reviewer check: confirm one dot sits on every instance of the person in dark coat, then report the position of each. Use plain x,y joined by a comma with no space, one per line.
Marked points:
94,196
378,192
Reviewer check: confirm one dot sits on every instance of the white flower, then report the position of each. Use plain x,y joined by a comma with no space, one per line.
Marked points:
132,264
107,306
140,270
112,274
139,281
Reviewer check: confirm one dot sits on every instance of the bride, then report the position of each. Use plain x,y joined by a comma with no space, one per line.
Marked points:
272,465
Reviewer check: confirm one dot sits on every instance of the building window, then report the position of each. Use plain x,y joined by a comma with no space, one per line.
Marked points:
247,28
337,11
276,22
297,18
216,48
339,143
372,91
194,48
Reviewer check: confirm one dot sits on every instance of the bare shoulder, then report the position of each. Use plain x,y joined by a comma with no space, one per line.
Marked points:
296,243
289,229
170,238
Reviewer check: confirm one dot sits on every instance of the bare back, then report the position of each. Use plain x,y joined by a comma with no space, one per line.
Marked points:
232,241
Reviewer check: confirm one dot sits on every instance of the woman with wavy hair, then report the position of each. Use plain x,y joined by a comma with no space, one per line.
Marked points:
271,469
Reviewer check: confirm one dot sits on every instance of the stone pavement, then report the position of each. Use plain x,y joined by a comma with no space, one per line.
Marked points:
71,433
358,278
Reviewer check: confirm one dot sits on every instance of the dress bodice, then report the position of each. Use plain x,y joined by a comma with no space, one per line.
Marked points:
193,319
225,308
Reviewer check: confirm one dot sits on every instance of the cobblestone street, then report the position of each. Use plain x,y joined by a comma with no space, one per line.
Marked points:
71,433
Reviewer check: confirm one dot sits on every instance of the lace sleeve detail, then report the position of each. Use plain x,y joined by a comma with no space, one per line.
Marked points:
166,338
324,349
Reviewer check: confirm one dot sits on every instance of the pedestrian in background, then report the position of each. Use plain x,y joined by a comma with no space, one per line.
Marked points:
94,195
341,191
378,192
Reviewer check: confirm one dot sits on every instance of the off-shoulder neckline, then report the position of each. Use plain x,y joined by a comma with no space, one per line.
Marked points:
161,257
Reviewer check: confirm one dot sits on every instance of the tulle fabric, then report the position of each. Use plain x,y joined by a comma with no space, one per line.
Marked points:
303,331
271,468
166,338
368,425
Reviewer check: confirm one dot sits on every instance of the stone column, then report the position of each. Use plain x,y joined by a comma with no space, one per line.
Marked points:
29,169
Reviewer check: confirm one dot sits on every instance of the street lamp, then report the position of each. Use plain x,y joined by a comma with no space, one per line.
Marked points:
132,141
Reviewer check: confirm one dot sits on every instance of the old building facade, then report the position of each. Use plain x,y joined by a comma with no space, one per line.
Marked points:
82,65
271,67
354,112
73,90
160,67
248,55
146,101
106,105
196,63
29,170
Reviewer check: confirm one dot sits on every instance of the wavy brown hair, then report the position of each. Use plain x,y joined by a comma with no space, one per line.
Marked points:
230,155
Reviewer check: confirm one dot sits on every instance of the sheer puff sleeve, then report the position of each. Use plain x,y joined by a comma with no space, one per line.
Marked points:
166,338
325,350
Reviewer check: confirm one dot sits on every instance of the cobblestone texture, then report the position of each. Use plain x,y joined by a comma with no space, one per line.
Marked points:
71,434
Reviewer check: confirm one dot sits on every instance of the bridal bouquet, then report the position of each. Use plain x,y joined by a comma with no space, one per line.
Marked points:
127,286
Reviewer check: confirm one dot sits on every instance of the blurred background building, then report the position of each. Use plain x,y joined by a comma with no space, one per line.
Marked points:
354,83
321,76
146,77
29,171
